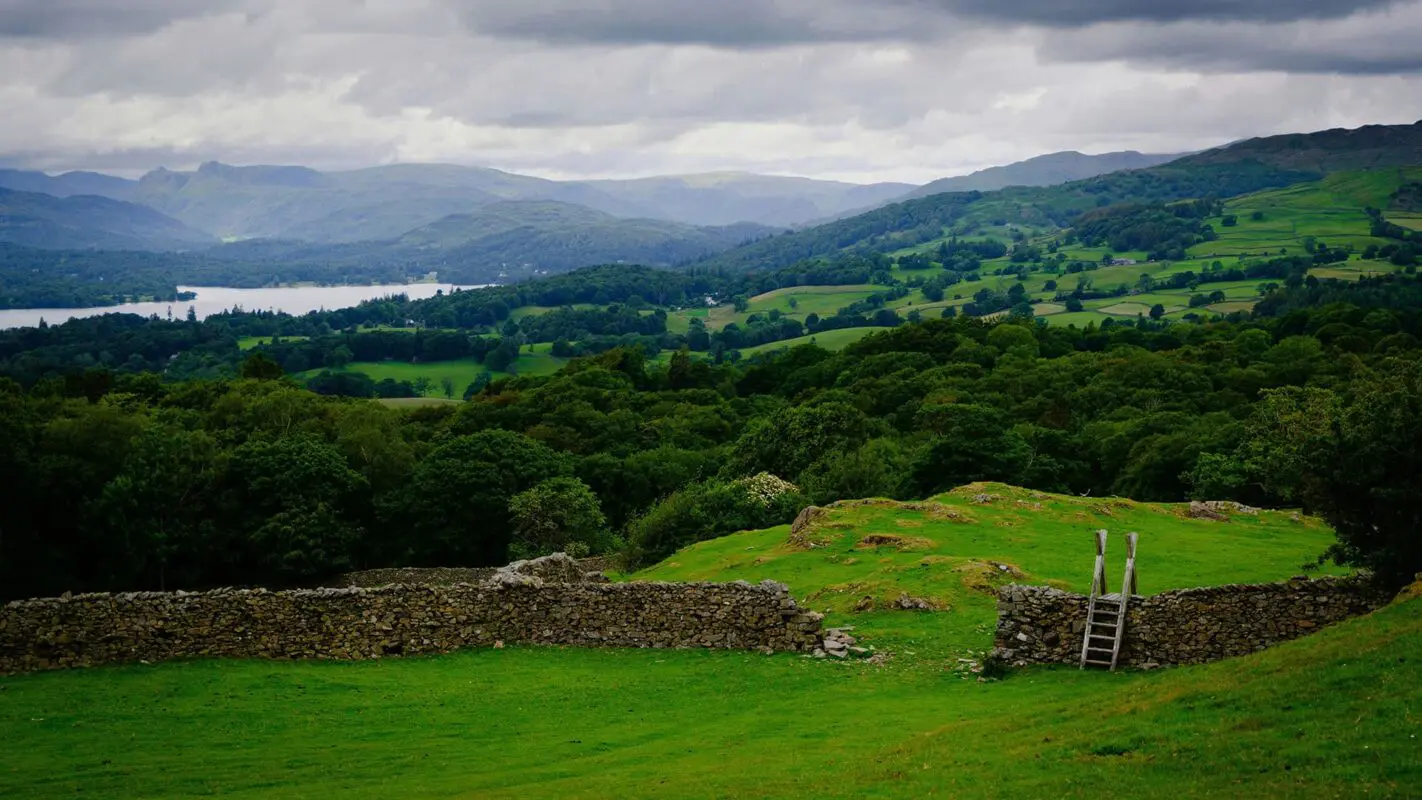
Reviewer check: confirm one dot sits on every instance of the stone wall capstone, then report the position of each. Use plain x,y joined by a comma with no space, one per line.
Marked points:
1041,625
449,576
358,623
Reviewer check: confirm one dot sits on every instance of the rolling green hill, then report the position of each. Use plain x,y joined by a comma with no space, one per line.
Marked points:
1326,715
1232,171
1330,211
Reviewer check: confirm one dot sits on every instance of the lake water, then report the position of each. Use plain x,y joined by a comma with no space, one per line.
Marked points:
215,299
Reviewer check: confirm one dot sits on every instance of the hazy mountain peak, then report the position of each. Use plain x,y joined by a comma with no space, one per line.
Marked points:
1048,169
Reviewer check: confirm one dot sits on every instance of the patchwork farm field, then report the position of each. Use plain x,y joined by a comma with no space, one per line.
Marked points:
830,340
461,371
1328,715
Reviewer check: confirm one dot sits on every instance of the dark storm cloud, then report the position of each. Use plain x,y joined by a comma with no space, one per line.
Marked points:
1076,13
1213,52
81,18
760,23
1383,43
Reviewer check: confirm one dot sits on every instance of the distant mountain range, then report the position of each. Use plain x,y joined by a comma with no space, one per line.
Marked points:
70,183
83,222
1047,170
484,222
384,204
505,241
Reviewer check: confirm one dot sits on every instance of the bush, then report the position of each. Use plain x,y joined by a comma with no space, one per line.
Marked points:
558,515
710,510
878,469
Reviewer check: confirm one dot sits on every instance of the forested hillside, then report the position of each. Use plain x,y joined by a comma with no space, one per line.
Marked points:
172,482
1335,150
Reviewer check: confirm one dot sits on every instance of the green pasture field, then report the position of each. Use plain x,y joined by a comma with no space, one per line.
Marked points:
829,340
1329,715
1078,318
1330,210
248,342
530,311
461,371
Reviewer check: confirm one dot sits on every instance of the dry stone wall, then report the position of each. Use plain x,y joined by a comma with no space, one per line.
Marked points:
359,623
449,576
1040,625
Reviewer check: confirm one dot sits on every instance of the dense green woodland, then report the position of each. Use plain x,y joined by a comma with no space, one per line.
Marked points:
119,479
624,316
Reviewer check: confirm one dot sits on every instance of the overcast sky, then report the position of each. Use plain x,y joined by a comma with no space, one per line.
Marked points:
858,90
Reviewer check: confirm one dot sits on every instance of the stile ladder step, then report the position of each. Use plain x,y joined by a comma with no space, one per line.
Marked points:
1106,612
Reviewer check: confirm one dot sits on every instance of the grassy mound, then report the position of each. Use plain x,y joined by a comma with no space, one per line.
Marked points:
1334,714
954,550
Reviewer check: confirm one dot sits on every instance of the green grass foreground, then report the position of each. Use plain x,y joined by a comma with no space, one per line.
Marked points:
1335,714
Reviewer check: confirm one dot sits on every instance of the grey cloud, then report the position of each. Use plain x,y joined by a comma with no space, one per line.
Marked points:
722,23
85,18
893,88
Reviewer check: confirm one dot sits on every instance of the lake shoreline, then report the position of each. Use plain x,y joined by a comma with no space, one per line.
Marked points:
210,300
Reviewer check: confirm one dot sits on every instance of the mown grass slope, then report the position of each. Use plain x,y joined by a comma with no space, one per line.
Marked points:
1332,715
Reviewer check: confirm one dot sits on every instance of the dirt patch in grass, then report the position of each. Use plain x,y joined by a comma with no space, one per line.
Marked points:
1413,592
896,542
985,577
939,511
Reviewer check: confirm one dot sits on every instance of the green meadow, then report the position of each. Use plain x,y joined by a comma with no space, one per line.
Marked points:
1334,714
461,372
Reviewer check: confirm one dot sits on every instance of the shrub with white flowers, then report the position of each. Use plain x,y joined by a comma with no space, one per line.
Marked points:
764,488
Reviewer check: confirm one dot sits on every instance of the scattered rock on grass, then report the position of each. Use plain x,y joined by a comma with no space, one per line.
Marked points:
1199,510
1218,510
908,603
803,528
